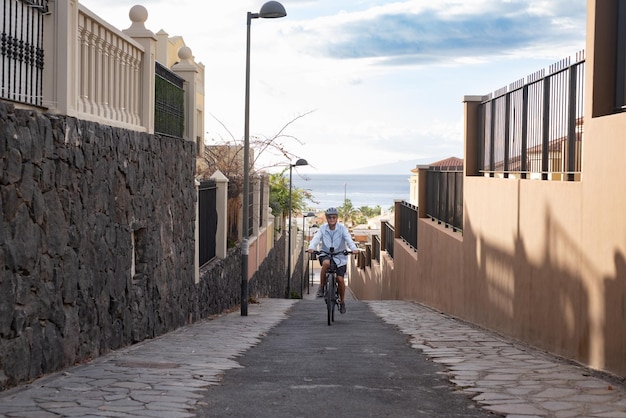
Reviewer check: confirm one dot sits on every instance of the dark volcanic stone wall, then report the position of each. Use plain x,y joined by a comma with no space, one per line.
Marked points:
96,240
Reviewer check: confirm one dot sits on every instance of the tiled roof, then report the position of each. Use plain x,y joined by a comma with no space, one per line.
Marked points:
452,163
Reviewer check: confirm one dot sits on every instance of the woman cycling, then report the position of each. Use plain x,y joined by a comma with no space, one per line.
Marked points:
333,235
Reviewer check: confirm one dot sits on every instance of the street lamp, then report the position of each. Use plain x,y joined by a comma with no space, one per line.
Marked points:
308,215
298,163
271,9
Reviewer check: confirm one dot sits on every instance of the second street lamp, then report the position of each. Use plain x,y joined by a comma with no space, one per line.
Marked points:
271,9
300,162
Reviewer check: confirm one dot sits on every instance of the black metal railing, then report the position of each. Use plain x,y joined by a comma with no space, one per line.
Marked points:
169,102
21,48
207,220
408,224
390,234
444,197
534,128
376,248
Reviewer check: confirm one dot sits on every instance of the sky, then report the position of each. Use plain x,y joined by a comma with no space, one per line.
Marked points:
359,86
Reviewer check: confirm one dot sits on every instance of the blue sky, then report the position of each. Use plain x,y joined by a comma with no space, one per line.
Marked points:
378,82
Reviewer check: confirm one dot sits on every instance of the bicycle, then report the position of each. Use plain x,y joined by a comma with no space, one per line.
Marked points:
331,290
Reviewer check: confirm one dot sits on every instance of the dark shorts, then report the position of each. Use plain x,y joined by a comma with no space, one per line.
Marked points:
341,271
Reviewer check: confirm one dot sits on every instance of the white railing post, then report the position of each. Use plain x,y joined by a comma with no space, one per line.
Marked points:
221,207
196,261
191,72
60,71
147,39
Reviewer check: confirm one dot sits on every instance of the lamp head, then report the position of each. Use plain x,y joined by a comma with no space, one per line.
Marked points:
301,161
272,10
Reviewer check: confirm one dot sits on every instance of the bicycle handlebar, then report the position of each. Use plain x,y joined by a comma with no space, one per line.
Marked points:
332,253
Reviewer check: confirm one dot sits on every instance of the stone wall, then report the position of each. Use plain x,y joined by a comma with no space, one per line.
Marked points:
97,243
269,281
96,240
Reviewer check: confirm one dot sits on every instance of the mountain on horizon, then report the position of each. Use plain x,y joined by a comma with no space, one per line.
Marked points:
398,167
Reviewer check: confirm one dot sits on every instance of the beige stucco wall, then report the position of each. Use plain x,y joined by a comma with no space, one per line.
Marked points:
540,261
522,262
604,194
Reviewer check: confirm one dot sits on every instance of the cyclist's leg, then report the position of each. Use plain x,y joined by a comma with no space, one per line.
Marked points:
341,271
342,288
325,264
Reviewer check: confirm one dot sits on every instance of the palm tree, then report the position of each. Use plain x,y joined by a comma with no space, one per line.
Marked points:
279,196
348,212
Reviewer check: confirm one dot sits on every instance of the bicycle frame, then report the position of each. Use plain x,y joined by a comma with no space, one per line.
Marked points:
331,289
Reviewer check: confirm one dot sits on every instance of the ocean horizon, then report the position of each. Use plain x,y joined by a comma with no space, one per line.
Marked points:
371,190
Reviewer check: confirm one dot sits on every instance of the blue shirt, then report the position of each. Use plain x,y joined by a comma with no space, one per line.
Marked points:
339,239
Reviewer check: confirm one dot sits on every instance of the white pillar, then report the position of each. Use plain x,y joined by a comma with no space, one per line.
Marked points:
196,261
60,42
187,69
221,207
147,39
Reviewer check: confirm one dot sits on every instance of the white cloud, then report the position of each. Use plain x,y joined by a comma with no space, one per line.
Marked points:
385,78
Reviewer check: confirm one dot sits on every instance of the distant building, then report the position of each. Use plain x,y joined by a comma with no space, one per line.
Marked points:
448,164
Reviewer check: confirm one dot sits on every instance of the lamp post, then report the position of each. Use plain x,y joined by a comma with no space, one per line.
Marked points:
298,163
271,9
308,215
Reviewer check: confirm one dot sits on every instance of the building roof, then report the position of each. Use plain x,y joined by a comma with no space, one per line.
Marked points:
451,163
448,163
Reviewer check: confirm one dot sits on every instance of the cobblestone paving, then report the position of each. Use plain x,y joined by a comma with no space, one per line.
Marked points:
504,376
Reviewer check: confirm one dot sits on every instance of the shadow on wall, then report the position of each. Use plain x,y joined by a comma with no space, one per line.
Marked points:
536,300
615,312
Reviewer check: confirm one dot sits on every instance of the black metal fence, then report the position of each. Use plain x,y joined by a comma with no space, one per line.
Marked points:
534,128
408,224
169,102
262,205
207,220
445,197
376,248
390,234
21,48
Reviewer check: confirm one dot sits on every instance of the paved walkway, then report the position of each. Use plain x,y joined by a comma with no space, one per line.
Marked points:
170,376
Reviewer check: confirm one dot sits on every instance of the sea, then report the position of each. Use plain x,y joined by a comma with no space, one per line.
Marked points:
330,190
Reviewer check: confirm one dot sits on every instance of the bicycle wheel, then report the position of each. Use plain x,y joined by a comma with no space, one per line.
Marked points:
330,300
335,296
